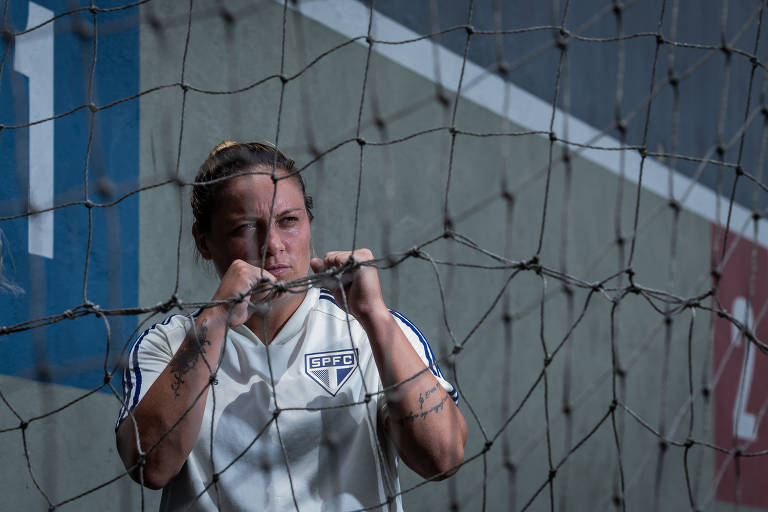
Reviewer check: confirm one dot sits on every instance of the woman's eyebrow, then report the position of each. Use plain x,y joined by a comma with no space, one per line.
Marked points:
288,211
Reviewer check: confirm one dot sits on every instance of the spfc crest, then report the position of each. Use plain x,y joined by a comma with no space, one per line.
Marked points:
331,369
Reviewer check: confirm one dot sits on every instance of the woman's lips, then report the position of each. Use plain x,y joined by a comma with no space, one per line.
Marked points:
278,270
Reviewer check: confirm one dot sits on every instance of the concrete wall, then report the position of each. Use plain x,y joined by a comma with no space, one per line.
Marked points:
499,368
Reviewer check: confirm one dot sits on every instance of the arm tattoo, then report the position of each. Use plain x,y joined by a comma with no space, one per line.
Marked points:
425,395
411,417
186,358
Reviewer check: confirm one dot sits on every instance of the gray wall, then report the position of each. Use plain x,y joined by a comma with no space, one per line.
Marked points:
401,206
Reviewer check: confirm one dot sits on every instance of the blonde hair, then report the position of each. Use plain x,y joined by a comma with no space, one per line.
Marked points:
230,158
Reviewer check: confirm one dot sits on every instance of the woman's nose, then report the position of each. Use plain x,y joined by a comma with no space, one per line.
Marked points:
274,242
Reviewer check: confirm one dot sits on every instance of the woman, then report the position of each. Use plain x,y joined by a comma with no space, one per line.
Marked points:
275,397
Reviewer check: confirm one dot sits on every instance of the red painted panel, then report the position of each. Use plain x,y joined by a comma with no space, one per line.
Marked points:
741,391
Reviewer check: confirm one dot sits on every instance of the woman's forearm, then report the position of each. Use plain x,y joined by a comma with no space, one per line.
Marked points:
165,424
424,422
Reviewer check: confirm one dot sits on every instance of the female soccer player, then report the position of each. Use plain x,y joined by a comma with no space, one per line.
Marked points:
281,395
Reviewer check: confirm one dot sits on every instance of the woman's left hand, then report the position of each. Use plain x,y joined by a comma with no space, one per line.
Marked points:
361,284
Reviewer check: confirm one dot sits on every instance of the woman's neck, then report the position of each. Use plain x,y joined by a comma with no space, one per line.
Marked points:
267,326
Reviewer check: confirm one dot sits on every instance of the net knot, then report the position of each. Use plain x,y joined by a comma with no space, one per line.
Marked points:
360,141
726,48
488,445
215,477
283,78
739,170
763,110
88,203
675,205
660,39
756,215
552,474
276,413
688,443
716,275
673,79
552,137
617,8
93,108
107,378
226,16
23,425
154,22
705,391
184,87
663,445
503,68
470,29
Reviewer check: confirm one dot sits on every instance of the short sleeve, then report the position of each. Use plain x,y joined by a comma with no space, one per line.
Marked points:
148,357
421,346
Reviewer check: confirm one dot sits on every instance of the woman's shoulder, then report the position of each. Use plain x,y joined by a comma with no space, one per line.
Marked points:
169,331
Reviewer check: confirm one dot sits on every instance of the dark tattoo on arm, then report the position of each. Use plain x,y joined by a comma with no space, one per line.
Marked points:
411,417
186,358
425,395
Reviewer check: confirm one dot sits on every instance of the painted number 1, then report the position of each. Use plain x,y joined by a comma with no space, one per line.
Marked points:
33,58
743,422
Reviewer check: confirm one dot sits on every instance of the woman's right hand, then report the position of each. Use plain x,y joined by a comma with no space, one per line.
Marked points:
240,278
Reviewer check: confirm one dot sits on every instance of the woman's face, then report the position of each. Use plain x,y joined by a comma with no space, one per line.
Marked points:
239,226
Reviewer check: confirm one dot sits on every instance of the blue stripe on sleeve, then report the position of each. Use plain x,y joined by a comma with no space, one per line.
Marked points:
128,387
433,367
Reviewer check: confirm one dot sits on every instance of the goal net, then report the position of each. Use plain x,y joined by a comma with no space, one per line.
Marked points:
568,199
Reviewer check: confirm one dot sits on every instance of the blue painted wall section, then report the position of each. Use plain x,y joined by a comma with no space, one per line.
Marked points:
73,351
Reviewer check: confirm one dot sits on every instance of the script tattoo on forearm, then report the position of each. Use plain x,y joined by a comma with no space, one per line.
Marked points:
186,358
411,417
425,395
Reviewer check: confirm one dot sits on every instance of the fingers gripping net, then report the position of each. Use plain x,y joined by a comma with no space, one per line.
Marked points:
569,201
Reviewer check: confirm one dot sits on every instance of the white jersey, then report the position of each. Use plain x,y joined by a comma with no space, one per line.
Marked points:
317,439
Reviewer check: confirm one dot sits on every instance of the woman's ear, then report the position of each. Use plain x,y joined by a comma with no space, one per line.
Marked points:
201,241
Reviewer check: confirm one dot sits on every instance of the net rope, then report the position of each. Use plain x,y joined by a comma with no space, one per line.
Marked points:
682,429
